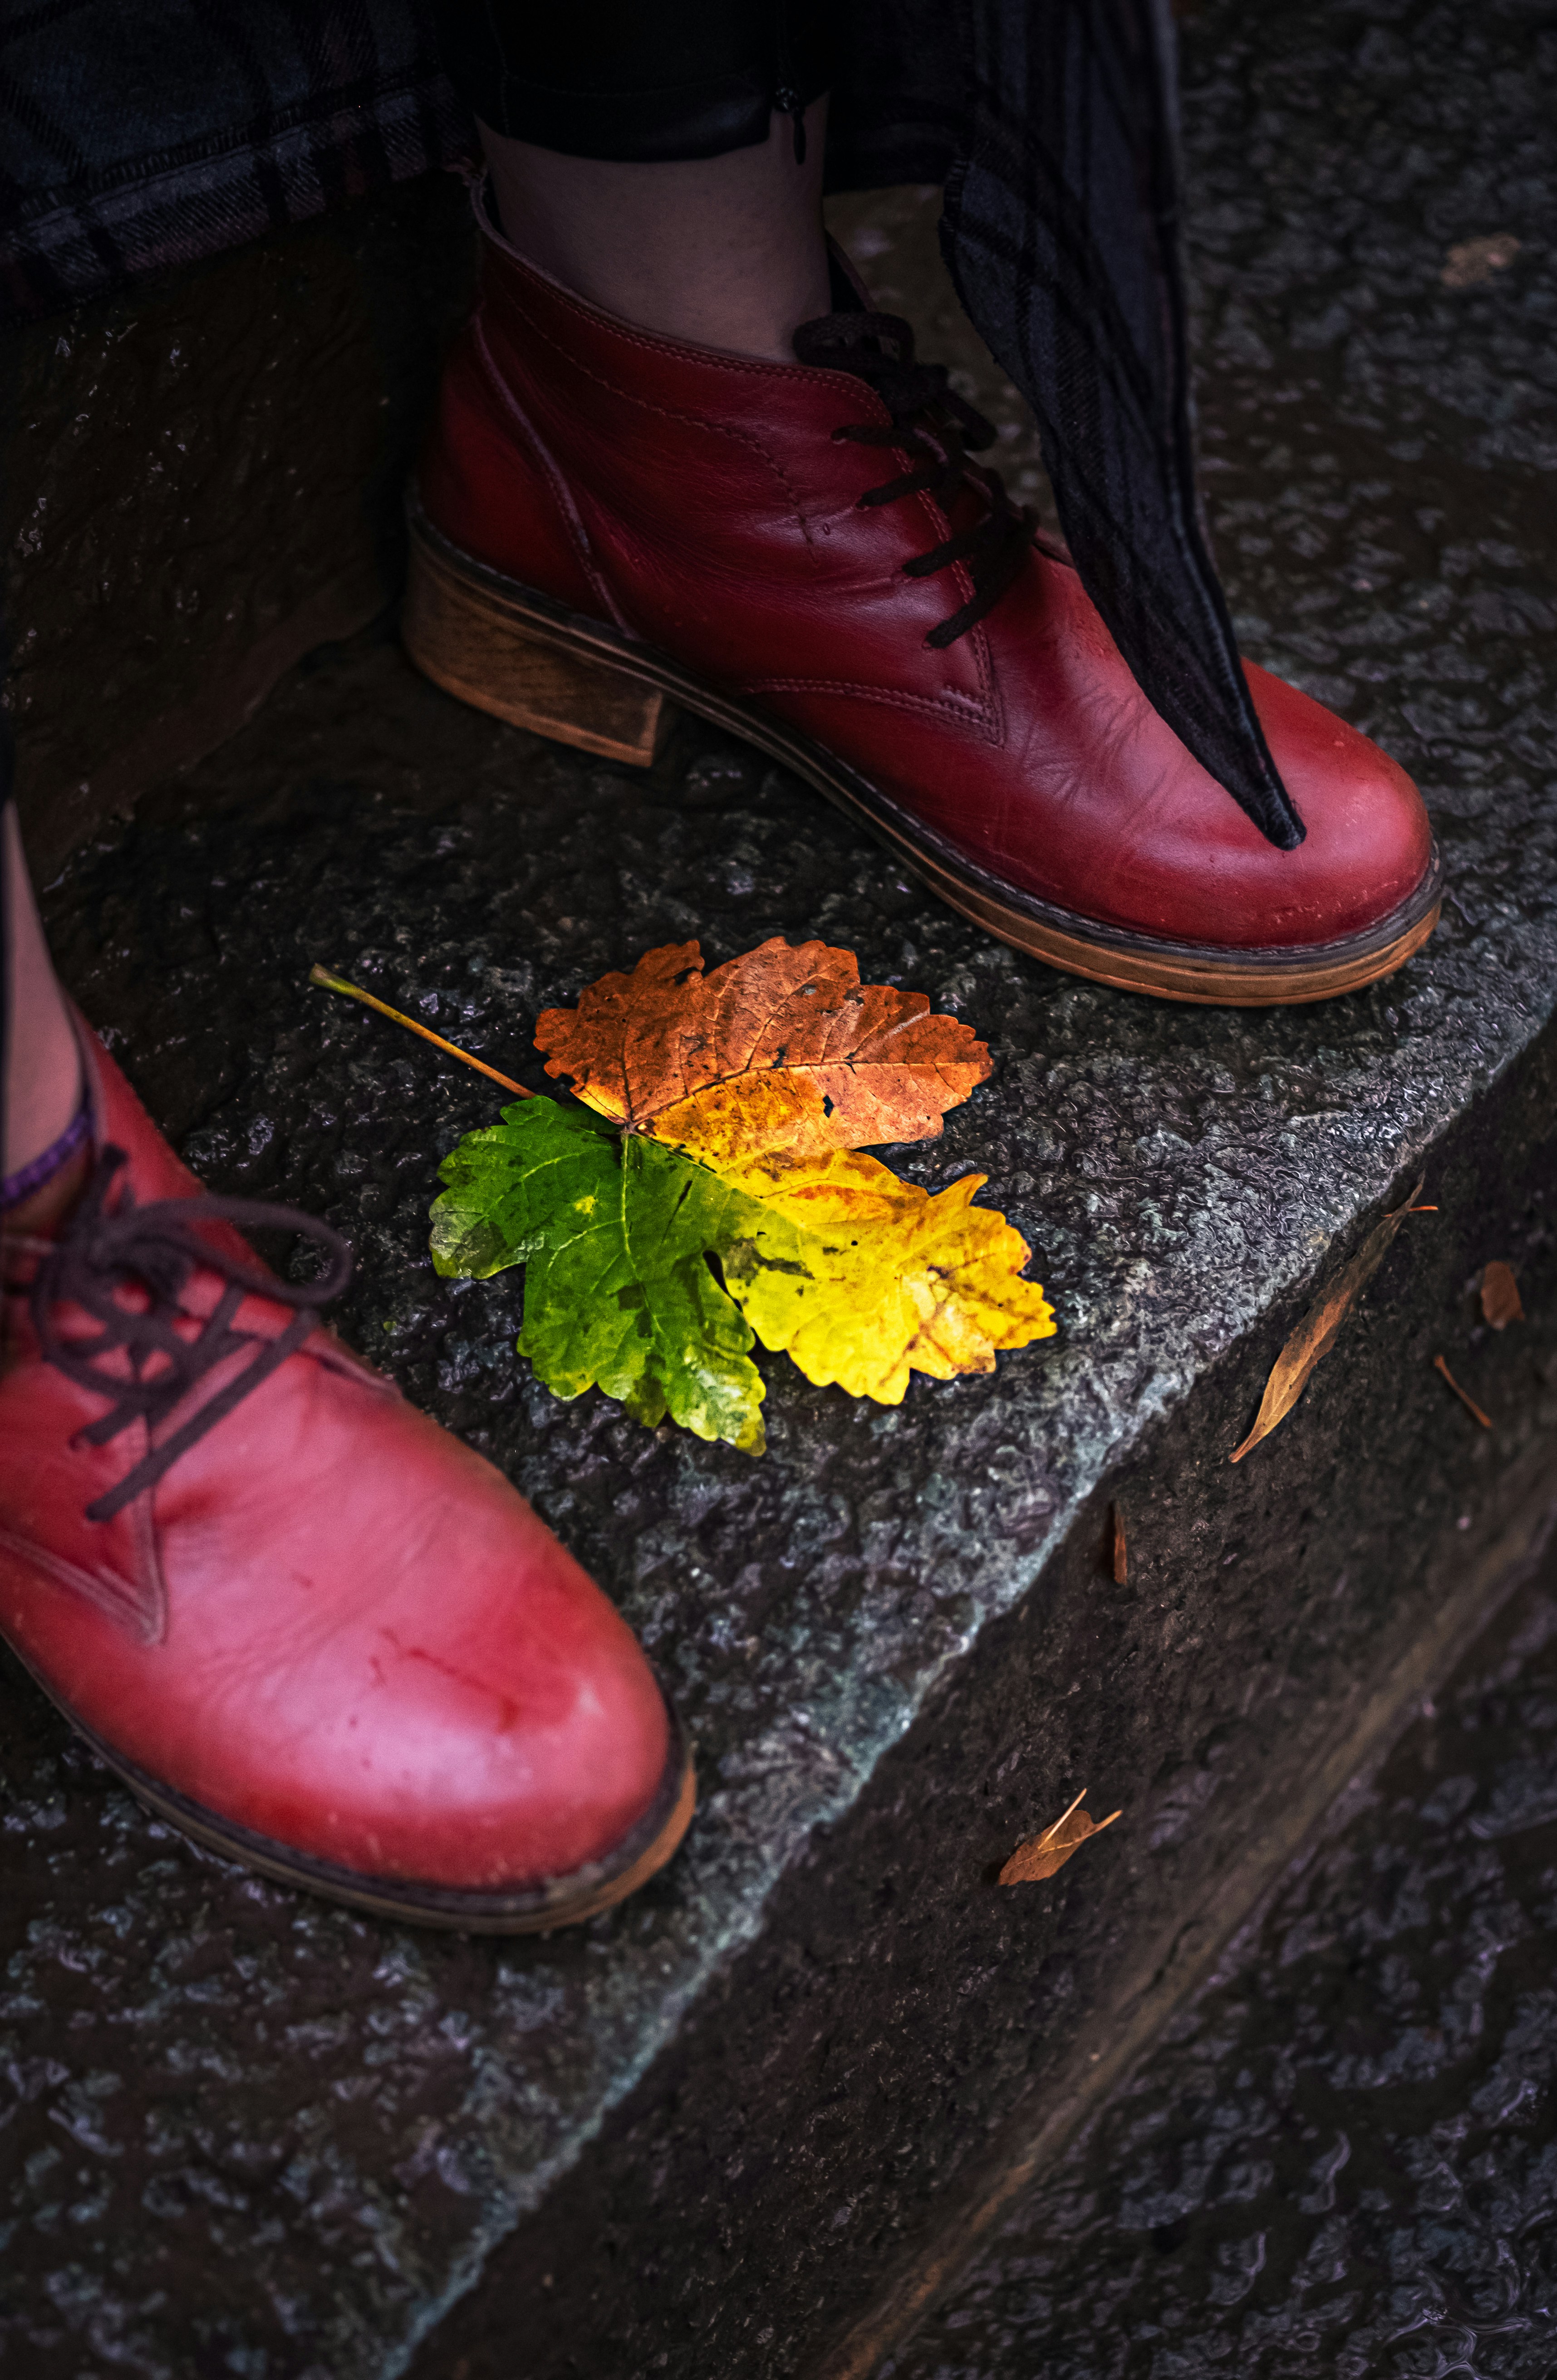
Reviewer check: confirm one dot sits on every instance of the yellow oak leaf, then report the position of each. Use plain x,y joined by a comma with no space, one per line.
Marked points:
862,1279
782,1048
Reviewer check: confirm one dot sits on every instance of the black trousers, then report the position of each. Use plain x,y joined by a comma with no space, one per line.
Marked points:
645,81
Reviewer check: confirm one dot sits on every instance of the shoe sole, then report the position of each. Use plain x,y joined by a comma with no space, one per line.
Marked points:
539,1909
506,648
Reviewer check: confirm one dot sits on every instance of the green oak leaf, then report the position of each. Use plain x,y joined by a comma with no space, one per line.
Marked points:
618,1291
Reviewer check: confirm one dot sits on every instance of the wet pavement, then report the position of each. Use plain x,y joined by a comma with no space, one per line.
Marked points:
1342,2160
260,2136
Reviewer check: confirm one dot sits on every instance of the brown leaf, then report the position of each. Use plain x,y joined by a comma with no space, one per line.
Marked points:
1315,1335
1468,1401
1121,1549
782,1049
1499,1296
1031,1862
1473,261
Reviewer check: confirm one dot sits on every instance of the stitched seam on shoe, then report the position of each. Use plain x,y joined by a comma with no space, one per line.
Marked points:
596,318
939,521
118,1598
932,703
977,636
562,492
143,1522
994,700
689,420
745,438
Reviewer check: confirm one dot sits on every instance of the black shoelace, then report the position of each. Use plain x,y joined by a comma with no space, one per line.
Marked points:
932,421
103,1250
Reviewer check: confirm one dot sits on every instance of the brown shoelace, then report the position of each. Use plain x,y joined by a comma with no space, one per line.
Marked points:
933,422
102,1250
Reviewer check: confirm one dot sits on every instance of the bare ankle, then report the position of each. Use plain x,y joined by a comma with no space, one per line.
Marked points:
40,1215
40,1063
724,252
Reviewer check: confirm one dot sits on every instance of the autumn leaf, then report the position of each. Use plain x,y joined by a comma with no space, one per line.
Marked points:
862,1279
782,1048
514,1186
727,1198
618,1294
1033,1863
1499,1296
1315,1335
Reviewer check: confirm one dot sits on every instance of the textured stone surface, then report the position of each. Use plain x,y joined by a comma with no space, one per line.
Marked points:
697,2134
1342,2159
202,481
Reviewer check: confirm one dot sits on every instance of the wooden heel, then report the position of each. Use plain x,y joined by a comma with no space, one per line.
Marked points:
479,644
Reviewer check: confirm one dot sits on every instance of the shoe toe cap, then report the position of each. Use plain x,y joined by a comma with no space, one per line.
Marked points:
1194,867
496,1726
1368,842
394,1668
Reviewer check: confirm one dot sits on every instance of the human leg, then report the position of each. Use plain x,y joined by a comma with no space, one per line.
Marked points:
42,1158
665,164
727,251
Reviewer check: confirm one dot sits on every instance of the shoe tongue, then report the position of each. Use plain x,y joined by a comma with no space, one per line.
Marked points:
878,348
847,296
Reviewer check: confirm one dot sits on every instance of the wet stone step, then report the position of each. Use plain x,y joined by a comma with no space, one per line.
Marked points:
1342,2160
733,2125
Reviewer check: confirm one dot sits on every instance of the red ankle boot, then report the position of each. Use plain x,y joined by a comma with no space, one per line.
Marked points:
305,1624
608,522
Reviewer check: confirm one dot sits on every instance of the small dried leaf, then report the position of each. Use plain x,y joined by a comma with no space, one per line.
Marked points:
1032,1862
1499,1296
1468,1401
1473,261
1120,1550
1315,1335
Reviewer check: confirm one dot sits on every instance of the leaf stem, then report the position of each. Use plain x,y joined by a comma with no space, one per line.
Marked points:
354,992
1465,1399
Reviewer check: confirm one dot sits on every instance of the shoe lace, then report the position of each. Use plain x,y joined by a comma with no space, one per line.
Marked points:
939,428
104,1248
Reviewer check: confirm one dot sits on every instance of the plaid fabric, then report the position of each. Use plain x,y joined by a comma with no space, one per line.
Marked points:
144,133
139,134
1062,233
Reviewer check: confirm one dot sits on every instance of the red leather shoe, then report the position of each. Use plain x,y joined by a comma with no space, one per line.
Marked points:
303,1623
607,522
